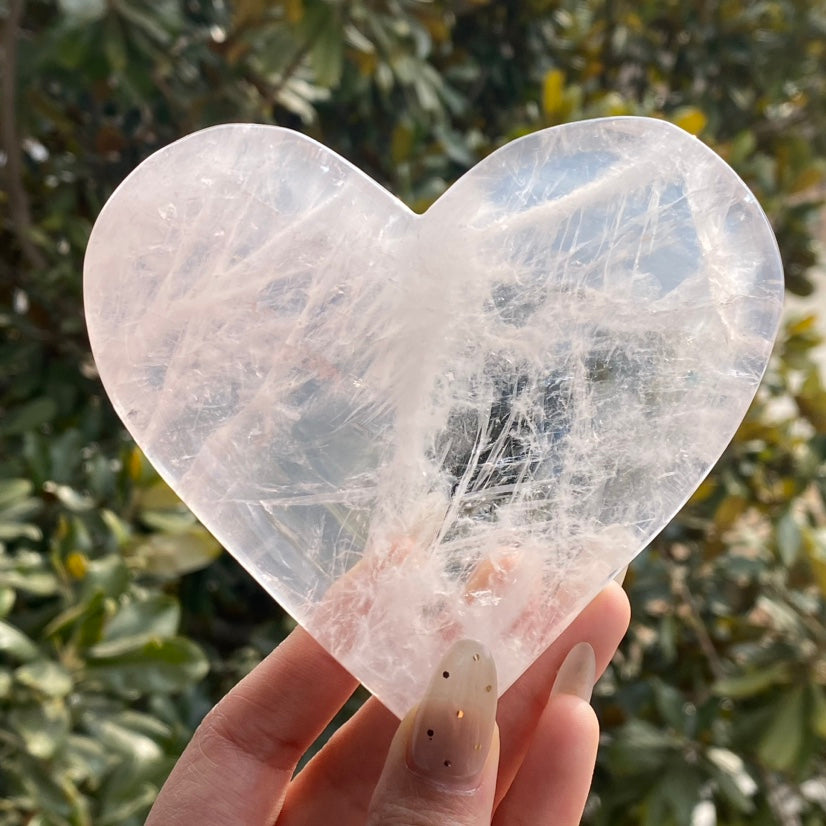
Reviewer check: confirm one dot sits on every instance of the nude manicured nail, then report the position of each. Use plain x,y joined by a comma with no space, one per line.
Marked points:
577,673
620,577
454,724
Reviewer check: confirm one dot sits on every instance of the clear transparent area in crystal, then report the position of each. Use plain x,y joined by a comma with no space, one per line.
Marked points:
416,428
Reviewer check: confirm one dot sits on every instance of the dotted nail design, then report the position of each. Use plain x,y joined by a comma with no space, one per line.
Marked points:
457,715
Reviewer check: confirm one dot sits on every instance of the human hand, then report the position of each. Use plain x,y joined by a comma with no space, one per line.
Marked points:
535,766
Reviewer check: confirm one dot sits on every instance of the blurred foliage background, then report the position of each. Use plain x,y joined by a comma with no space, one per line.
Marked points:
121,621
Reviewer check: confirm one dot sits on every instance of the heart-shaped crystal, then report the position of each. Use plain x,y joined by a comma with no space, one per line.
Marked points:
413,428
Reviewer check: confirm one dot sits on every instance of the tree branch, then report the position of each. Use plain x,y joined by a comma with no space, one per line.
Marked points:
696,621
9,139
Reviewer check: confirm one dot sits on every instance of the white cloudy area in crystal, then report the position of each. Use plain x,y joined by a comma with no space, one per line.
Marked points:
412,429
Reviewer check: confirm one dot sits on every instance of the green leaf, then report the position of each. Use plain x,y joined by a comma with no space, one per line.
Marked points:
326,35
681,788
27,571
12,490
168,521
157,495
42,792
6,682
70,498
14,643
19,530
670,704
818,709
30,416
20,510
668,633
86,758
742,147
143,763
107,575
639,747
811,401
135,746
171,555
16,518
157,27
782,742
753,683
789,538
114,45
144,724
815,546
132,809
46,677
159,665
7,598
734,783
138,621
42,727
117,527
84,620
83,10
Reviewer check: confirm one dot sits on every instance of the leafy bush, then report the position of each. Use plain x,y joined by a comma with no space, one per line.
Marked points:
114,602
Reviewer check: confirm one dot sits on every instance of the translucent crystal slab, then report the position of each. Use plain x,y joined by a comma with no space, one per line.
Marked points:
413,428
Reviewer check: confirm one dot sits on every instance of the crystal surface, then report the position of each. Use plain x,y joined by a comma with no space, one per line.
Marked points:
416,428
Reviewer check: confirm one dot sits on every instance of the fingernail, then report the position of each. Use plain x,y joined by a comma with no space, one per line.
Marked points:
577,673
454,723
620,577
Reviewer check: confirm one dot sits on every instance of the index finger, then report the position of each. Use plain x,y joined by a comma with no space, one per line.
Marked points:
238,764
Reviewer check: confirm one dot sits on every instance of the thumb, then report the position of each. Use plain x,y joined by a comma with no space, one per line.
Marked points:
441,767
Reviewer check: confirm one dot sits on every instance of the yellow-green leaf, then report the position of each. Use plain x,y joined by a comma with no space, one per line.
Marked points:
690,118
553,88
